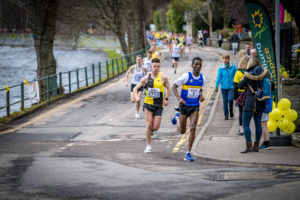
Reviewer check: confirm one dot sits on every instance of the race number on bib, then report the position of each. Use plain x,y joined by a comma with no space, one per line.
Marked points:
153,92
193,93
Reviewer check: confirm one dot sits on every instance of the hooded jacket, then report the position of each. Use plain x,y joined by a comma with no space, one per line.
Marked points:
251,77
225,76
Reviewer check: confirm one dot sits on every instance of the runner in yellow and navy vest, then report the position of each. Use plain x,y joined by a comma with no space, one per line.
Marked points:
189,101
155,83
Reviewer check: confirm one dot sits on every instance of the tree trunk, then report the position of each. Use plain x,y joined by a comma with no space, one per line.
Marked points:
44,15
121,38
210,19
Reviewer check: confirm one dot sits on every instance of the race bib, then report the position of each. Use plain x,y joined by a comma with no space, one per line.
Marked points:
153,92
193,93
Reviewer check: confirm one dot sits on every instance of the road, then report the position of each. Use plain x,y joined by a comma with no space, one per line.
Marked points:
90,146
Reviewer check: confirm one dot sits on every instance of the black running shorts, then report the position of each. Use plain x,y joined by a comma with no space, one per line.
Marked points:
188,110
157,111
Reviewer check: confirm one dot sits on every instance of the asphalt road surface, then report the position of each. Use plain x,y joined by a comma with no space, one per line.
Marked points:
90,146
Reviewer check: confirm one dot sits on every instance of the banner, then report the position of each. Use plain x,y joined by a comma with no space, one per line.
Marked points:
33,93
261,31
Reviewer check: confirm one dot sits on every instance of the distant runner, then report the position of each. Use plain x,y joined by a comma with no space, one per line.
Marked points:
138,72
175,53
155,83
190,42
147,61
189,101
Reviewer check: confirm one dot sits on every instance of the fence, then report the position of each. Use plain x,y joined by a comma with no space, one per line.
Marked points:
67,82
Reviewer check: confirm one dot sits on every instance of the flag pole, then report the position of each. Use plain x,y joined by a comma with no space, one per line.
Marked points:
277,50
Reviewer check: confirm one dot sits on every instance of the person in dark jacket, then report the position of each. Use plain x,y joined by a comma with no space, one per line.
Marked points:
234,42
253,107
237,92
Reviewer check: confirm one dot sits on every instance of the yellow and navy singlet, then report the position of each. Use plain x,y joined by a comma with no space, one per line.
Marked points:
191,90
154,91
239,75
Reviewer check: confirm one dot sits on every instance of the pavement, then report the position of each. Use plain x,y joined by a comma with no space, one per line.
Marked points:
217,139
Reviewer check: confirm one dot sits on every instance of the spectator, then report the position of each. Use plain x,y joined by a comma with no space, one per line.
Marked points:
239,29
252,107
234,42
253,53
225,76
248,49
237,92
220,39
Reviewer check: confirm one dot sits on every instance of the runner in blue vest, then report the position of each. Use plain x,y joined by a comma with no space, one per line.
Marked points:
189,101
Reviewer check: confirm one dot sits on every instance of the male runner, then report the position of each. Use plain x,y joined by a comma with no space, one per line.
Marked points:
138,72
147,61
189,101
155,83
175,53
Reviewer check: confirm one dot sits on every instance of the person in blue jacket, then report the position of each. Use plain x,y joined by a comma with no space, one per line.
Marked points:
225,76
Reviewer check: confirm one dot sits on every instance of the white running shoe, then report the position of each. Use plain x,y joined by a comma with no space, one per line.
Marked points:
137,116
148,149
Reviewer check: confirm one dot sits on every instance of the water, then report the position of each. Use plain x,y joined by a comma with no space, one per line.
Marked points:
17,63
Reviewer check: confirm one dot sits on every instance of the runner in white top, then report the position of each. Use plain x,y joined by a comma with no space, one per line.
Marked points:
138,72
190,41
175,53
147,61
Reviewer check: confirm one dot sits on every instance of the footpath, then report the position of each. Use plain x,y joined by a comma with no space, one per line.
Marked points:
217,139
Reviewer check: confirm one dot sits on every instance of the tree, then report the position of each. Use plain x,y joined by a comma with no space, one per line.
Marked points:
156,19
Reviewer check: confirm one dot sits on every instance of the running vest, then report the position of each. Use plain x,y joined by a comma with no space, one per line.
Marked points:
175,52
190,91
137,75
147,64
154,90
190,40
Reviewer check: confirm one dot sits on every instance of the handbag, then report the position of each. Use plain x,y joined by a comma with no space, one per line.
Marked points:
241,99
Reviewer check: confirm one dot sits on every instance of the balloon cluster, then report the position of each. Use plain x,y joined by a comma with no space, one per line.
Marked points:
282,117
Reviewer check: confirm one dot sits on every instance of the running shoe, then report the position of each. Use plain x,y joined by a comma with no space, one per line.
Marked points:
175,71
137,116
148,149
174,118
188,157
265,146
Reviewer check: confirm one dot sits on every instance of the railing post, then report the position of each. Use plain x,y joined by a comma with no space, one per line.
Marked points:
77,78
54,86
117,63
107,69
69,75
126,60
122,63
7,103
112,67
22,96
48,87
99,71
86,77
93,73
60,83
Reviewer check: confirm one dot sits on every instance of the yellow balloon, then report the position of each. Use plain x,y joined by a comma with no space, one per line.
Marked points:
290,128
284,104
283,123
272,125
284,113
292,115
274,105
275,114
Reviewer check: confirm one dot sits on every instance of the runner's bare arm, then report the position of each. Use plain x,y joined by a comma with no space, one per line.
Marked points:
145,70
138,86
130,70
167,85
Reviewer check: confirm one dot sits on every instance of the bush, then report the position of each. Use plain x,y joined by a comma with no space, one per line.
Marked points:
298,76
226,32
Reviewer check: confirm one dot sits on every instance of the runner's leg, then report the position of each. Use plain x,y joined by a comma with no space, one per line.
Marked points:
182,125
149,125
193,124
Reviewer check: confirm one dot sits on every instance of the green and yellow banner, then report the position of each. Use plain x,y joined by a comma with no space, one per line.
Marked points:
261,31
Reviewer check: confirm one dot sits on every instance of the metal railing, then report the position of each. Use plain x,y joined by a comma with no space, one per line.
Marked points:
67,82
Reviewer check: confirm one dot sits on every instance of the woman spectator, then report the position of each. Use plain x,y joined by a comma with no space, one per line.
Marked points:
252,107
237,92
